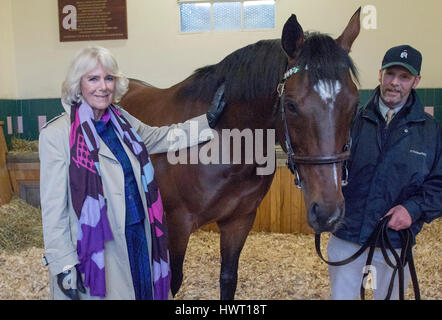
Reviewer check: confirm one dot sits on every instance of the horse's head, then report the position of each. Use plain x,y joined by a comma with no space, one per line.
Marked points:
318,101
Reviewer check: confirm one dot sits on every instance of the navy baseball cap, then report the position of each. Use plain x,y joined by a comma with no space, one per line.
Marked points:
405,56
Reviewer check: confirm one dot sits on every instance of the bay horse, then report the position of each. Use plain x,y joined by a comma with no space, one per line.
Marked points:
313,118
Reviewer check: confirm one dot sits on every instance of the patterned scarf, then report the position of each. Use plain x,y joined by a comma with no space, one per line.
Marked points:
90,205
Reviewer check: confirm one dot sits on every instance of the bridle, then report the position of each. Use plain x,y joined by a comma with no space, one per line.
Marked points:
292,158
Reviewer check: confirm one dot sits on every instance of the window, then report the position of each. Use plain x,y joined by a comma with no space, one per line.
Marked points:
207,15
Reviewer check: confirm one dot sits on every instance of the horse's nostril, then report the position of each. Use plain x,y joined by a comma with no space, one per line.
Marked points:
323,216
315,208
313,212
335,216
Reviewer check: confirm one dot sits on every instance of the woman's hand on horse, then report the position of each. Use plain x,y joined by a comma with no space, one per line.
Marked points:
217,107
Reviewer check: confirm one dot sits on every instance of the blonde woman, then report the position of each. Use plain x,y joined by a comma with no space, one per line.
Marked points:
104,232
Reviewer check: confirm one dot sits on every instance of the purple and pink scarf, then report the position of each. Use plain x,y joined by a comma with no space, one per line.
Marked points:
90,205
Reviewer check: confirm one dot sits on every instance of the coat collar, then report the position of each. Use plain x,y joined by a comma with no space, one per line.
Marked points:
413,108
66,107
105,151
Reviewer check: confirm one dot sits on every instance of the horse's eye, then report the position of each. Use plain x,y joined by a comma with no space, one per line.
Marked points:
291,106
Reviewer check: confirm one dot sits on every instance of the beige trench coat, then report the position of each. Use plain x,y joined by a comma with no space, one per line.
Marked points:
60,223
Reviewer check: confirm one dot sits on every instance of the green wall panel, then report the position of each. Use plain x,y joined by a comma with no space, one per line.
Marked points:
31,109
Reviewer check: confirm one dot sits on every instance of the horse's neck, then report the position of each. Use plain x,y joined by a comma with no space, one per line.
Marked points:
158,107
257,114
166,106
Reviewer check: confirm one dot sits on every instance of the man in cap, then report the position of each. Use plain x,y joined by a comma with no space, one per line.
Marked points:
395,169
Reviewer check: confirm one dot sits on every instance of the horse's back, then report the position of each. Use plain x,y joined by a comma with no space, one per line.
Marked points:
138,89
159,107
134,83
145,102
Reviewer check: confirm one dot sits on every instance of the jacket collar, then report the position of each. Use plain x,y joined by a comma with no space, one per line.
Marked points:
413,108
66,107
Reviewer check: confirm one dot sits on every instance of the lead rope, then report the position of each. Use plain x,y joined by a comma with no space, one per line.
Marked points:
406,256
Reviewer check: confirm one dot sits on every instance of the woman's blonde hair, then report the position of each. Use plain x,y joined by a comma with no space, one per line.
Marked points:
84,61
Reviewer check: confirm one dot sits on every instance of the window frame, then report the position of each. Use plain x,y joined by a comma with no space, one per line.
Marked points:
243,29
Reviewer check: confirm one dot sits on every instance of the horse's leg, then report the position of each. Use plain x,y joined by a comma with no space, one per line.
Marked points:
179,233
234,232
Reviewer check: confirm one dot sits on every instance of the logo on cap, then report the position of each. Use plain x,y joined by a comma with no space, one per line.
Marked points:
404,54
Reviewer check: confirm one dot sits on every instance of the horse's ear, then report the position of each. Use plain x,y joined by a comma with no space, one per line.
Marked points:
351,32
292,36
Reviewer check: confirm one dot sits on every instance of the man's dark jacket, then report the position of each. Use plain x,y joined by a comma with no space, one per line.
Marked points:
391,165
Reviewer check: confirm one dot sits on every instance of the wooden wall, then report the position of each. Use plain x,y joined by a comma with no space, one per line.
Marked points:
23,169
5,182
282,209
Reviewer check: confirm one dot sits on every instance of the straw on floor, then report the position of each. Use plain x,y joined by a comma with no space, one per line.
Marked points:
272,265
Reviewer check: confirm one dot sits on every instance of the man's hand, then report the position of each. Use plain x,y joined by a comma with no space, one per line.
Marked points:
69,282
400,218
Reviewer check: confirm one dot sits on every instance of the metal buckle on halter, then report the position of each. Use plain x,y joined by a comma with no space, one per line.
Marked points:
344,180
297,180
292,167
347,147
280,89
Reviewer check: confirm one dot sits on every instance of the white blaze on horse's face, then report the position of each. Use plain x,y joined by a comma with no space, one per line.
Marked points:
328,90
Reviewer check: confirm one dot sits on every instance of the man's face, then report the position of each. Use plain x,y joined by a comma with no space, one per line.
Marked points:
396,84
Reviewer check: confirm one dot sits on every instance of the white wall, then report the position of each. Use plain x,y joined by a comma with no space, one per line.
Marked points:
8,82
158,53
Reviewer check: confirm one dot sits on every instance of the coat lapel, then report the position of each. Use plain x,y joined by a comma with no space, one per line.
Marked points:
105,151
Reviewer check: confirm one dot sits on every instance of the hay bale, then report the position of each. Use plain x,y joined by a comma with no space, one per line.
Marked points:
19,145
20,226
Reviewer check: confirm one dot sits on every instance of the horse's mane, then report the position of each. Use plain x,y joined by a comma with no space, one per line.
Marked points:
248,73
254,71
324,59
